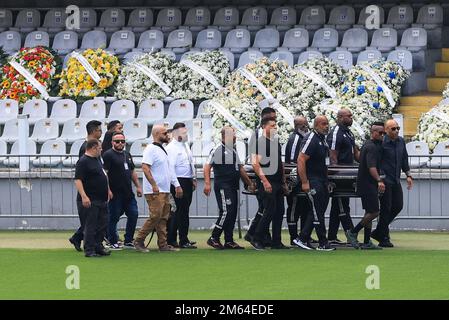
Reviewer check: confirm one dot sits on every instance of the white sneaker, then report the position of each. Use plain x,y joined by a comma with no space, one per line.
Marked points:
301,244
115,247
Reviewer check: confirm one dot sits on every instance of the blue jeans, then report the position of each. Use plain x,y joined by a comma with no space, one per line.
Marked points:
118,206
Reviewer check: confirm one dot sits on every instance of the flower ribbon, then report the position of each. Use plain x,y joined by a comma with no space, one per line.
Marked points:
87,66
231,119
282,110
152,75
203,72
318,80
27,75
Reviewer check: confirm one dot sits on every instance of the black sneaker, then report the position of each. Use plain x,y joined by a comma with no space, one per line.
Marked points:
386,244
302,245
128,245
103,252
280,246
192,242
173,244
216,244
257,245
352,239
248,237
76,244
326,247
369,246
313,241
91,255
337,242
233,245
187,245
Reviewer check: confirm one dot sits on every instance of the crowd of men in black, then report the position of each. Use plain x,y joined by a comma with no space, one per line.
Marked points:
105,173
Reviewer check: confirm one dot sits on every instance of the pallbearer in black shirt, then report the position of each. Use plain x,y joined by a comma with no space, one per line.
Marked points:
271,185
297,206
228,170
369,186
342,151
312,169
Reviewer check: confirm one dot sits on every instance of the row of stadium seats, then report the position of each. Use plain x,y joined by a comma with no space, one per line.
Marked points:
150,111
237,41
53,153
168,19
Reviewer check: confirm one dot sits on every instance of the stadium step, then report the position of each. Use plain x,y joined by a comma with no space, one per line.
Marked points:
411,107
442,69
437,84
445,54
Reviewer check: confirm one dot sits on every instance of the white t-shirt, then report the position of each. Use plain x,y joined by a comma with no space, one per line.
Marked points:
180,159
156,157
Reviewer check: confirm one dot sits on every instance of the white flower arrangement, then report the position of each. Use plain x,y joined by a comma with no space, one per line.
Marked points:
189,84
433,126
137,86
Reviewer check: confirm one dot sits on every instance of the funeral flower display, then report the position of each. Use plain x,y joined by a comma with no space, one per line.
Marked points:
433,126
76,82
136,83
189,80
38,63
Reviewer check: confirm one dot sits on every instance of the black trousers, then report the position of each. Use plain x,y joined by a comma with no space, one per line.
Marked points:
391,203
273,213
79,234
338,215
96,224
320,200
298,207
179,221
227,200
256,220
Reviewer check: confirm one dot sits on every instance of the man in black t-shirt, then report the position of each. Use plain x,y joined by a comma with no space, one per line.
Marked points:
93,129
271,185
91,182
228,170
119,166
312,169
369,186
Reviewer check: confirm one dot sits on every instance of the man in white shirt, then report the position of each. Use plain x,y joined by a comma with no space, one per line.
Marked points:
181,163
156,188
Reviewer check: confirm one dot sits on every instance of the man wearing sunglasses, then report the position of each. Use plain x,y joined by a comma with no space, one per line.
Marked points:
369,186
119,166
394,160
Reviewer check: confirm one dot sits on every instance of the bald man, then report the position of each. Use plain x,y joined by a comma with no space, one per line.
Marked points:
394,160
156,188
342,151
228,170
297,206
312,169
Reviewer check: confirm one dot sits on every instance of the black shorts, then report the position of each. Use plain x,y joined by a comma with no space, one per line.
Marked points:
370,202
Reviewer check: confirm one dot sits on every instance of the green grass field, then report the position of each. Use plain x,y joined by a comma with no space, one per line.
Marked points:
33,265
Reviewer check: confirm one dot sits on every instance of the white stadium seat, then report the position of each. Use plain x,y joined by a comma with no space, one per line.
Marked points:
72,159
3,150
440,156
418,152
73,130
45,129
14,160
180,111
122,110
53,153
135,129
151,110
137,149
9,109
36,109
63,110
94,109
